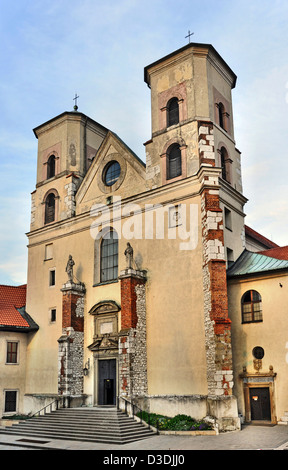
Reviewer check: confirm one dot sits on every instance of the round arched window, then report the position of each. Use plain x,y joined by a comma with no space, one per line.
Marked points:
111,173
174,163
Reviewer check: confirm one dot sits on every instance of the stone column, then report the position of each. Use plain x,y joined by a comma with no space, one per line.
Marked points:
221,402
132,337
217,323
71,343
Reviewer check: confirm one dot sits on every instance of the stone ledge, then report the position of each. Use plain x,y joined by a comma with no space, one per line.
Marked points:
129,272
9,422
208,432
72,286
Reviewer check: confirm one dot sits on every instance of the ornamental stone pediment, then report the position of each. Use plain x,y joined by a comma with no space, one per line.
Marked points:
105,307
105,342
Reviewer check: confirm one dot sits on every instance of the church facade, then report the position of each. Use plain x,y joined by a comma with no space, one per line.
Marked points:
127,260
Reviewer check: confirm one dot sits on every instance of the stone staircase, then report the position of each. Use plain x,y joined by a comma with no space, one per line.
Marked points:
109,426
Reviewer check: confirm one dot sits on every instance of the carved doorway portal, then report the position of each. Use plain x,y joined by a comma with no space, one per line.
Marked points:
259,396
105,352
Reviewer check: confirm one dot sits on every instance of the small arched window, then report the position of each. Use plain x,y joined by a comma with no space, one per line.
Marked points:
51,166
174,164
224,164
251,305
50,208
109,257
221,111
172,112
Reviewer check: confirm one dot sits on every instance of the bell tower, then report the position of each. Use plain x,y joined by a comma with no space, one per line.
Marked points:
192,129
67,145
192,153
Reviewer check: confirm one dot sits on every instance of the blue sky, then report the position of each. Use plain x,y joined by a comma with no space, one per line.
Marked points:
52,49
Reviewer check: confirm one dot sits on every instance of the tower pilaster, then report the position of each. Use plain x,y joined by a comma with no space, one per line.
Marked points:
132,337
71,343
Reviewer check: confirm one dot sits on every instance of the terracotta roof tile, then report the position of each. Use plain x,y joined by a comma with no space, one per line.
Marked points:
279,253
11,299
257,236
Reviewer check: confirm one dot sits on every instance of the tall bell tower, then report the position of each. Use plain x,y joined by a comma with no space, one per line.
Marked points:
67,145
193,149
192,128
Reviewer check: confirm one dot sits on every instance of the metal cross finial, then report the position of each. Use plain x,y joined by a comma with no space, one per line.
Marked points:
75,99
189,34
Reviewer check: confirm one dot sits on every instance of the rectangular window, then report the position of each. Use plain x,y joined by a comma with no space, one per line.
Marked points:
230,257
10,401
53,315
12,352
49,251
52,277
228,219
175,216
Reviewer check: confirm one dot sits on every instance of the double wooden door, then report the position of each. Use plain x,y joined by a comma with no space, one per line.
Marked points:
107,382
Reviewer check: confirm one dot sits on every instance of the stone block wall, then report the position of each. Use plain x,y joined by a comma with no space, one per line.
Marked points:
132,337
217,323
71,343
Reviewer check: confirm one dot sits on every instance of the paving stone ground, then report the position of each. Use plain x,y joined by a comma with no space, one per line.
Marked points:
249,438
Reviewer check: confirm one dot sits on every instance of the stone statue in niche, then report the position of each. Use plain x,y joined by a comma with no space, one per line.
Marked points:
69,268
129,256
72,154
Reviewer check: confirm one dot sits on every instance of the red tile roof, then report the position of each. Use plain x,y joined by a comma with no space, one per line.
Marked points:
279,253
257,236
11,299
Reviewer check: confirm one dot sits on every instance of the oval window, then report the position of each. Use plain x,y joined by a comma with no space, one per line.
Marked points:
111,173
258,352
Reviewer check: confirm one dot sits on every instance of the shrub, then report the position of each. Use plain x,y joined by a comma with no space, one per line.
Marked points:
178,423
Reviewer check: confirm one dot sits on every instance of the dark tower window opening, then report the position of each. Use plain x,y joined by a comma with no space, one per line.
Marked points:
173,112
50,208
174,164
221,110
51,166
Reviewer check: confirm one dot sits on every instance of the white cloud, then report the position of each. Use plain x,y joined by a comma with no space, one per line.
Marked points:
14,271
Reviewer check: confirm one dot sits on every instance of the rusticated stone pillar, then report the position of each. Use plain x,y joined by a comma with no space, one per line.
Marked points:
217,323
132,337
71,343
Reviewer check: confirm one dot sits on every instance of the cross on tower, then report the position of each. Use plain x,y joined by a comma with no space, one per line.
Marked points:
189,35
75,99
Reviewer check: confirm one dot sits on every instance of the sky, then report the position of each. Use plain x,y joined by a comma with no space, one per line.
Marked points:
51,50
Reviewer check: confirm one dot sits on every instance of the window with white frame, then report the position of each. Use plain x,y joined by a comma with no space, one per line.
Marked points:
10,404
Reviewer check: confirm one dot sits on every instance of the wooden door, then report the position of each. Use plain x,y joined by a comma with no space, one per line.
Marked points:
107,382
260,404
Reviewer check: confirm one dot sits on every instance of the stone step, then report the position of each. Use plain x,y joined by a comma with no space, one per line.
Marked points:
91,425
100,437
70,432
284,419
81,428
71,437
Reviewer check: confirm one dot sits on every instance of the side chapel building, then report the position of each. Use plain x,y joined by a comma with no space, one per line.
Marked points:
139,275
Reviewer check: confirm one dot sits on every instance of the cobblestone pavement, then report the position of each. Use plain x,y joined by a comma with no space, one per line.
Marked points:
249,438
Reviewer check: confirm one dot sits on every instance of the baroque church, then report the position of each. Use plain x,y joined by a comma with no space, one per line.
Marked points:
144,284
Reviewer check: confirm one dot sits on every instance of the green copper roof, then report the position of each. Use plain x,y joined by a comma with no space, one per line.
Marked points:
252,263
